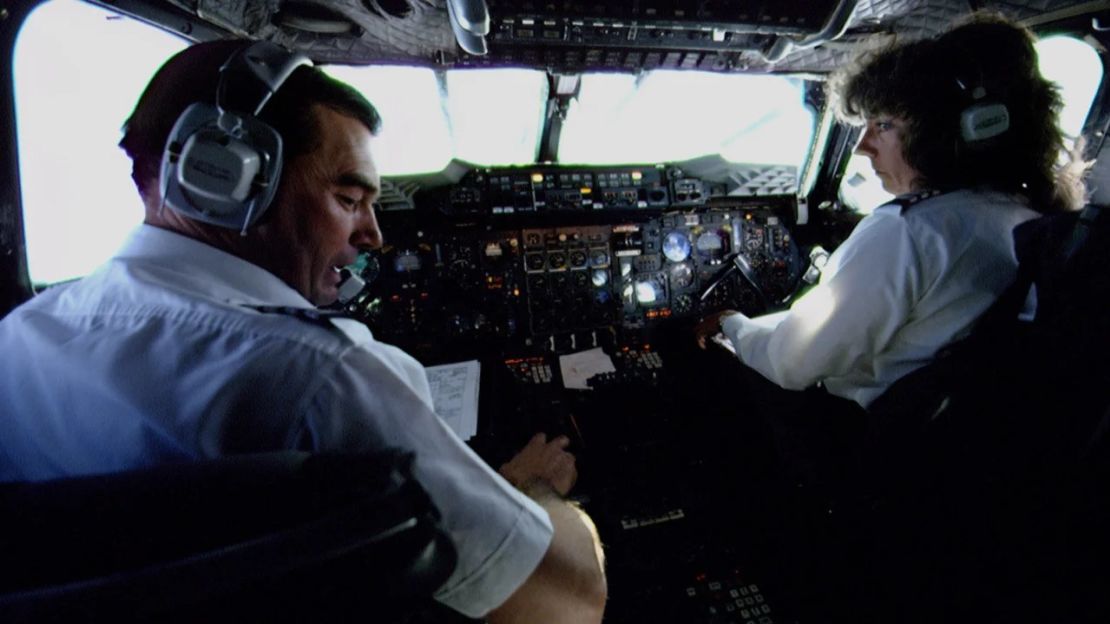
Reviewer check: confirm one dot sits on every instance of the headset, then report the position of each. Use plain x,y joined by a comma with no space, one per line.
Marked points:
221,164
983,119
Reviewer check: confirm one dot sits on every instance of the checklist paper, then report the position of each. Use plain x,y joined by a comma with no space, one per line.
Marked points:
455,395
577,368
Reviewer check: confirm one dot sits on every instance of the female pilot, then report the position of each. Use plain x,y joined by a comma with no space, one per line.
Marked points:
962,128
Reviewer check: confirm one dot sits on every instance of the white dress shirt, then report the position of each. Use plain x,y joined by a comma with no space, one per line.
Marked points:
155,357
905,284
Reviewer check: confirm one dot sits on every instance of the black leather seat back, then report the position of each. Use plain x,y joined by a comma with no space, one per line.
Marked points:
277,537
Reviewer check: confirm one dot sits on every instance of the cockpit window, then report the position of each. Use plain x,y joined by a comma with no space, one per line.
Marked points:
669,116
485,117
79,70
1069,62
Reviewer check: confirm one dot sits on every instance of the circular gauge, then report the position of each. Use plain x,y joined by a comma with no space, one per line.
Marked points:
755,240
682,275
676,246
537,283
577,258
711,245
599,258
557,260
534,261
599,277
407,261
683,304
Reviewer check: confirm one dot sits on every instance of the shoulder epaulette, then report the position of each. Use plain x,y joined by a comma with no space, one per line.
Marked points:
909,200
311,315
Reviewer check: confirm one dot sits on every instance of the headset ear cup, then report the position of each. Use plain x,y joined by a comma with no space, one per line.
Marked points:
983,121
219,177
221,164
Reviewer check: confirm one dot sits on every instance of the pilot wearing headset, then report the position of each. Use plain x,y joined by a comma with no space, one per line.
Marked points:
202,336
962,128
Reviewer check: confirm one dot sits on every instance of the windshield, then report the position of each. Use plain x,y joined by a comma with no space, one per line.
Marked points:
486,117
668,116
495,117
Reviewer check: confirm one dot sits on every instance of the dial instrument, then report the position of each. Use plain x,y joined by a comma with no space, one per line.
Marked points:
676,246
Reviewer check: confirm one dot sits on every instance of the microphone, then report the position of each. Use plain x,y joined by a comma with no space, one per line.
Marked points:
354,277
350,285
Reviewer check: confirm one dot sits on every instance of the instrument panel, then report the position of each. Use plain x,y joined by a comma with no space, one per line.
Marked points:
571,262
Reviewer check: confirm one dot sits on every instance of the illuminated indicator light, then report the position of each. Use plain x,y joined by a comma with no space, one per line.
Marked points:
423,296
516,292
748,216
537,177
585,190
646,292
636,175
395,298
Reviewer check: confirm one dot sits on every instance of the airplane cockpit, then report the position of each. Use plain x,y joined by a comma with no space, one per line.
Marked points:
568,189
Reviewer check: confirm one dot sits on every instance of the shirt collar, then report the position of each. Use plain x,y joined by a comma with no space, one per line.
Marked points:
210,272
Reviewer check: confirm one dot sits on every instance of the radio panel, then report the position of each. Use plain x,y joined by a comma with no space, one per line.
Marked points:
538,190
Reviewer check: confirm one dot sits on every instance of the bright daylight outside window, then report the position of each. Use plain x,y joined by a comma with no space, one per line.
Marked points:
421,133
1070,63
79,70
653,118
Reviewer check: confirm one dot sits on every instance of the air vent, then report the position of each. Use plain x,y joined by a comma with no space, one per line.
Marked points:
389,8
315,19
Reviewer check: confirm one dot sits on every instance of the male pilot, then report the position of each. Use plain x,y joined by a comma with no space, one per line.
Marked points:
183,346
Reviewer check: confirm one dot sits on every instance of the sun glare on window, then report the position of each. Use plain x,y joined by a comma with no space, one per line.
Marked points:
415,136
664,116
78,72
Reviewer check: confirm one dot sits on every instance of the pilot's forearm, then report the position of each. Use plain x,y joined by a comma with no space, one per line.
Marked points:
569,585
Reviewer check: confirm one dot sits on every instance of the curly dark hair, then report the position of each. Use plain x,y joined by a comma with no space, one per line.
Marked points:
930,82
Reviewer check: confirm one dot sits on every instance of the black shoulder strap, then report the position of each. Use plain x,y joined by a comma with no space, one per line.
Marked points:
910,200
1085,224
315,316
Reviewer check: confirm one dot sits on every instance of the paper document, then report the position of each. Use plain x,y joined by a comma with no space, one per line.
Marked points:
578,367
455,395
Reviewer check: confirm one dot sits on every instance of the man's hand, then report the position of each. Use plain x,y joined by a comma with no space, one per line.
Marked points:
710,326
543,460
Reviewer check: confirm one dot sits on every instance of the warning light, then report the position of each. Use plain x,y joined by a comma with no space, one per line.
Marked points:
636,175
537,178
585,190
